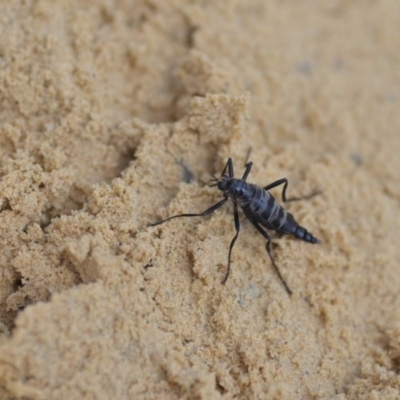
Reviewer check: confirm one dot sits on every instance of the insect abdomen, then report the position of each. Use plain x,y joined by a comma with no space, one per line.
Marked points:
264,209
269,213
292,227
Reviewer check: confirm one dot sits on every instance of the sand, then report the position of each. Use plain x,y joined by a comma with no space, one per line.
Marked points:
115,115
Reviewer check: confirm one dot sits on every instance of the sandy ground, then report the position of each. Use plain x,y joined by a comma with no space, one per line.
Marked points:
115,114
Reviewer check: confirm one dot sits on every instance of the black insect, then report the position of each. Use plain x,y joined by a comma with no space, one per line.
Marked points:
260,208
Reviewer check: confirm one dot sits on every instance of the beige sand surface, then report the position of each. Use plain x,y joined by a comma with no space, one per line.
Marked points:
102,104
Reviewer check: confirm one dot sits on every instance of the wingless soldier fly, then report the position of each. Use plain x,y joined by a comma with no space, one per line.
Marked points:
260,208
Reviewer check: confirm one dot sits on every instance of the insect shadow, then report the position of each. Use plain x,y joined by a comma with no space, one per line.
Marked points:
260,208
187,173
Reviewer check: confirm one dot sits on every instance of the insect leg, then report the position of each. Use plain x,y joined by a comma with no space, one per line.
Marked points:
268,248
247,171
203,214
285,183
229,167
248,156
237,227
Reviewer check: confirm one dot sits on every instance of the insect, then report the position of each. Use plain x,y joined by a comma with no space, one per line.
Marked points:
260,208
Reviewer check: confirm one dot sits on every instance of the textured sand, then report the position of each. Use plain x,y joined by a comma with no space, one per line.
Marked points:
107,109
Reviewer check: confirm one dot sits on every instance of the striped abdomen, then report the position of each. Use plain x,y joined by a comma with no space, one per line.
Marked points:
264,209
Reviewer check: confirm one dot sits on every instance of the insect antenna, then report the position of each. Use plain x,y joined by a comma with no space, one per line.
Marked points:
213,179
